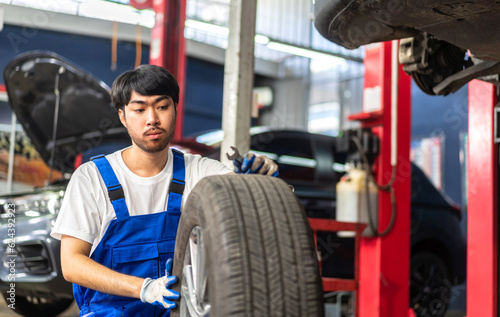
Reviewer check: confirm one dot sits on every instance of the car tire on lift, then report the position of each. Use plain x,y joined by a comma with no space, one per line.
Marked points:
430,284
244,247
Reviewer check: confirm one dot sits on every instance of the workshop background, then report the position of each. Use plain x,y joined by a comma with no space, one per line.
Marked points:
315,93
307,93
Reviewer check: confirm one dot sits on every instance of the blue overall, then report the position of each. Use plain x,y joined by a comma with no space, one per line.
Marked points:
135,245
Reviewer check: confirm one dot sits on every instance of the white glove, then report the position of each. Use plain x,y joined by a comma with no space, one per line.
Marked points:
256,164
158,292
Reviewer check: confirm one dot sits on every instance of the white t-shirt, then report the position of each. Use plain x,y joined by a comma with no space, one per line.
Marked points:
86,210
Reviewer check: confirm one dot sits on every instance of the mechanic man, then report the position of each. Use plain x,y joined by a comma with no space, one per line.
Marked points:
119,217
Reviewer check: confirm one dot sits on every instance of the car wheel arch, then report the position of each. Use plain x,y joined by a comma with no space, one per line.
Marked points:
435,247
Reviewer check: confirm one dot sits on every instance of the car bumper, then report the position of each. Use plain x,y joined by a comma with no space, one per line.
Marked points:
30,259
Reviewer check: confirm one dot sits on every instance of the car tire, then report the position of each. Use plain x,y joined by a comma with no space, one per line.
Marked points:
429,285
244,248
39,306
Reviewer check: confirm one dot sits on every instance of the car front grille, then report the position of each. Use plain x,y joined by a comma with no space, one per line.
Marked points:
32,258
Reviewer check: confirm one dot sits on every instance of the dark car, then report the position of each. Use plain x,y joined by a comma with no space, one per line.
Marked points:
312,164
445,44
52,99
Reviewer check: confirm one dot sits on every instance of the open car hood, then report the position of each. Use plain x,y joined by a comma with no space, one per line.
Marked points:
80,105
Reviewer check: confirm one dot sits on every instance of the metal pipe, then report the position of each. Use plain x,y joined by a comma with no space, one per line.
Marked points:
10,171
394,102
55,124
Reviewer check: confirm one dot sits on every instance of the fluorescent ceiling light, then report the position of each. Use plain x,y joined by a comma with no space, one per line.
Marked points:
32,213
207,27
96,9
297,161
294,50
60,6
339,167
211,138
272,156
109,11
214,137
263,40
147,18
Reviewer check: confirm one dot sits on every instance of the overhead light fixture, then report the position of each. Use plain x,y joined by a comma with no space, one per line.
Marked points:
297,161
263,40
299,51
207,27
147,18
68,7
116,12
97,9
107,11
220,30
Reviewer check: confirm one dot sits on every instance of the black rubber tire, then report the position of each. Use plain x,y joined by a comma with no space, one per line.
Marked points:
429,285
39,306
260,251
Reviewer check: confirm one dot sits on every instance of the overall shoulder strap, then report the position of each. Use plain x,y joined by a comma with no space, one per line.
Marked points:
178,182
115,190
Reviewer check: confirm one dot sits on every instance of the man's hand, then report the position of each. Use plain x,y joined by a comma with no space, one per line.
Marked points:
158,292
253,164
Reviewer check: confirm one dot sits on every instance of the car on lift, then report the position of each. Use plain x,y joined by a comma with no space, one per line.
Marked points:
443,44
314,163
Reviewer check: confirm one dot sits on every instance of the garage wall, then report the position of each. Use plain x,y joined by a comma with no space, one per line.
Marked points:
204,82
290,107
90,53
203,99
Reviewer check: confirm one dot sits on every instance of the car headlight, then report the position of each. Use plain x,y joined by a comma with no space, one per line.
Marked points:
32,205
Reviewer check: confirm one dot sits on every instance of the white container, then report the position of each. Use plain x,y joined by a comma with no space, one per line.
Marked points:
351,202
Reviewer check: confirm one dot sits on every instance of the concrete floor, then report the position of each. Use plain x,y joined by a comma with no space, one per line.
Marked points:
73,311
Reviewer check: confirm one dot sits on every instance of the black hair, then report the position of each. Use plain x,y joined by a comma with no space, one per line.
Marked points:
146,80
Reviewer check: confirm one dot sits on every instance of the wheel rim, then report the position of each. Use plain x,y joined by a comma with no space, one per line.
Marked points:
194,277
429,292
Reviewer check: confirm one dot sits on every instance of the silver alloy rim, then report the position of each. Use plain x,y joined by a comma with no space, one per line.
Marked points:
194,277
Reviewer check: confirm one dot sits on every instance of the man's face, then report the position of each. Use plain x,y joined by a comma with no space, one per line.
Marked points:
150,121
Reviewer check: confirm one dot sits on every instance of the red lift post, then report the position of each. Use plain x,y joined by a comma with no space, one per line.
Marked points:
384,261
482,193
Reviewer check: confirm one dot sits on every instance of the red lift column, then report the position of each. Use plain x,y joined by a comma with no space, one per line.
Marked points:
384,261
482,247
167,48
